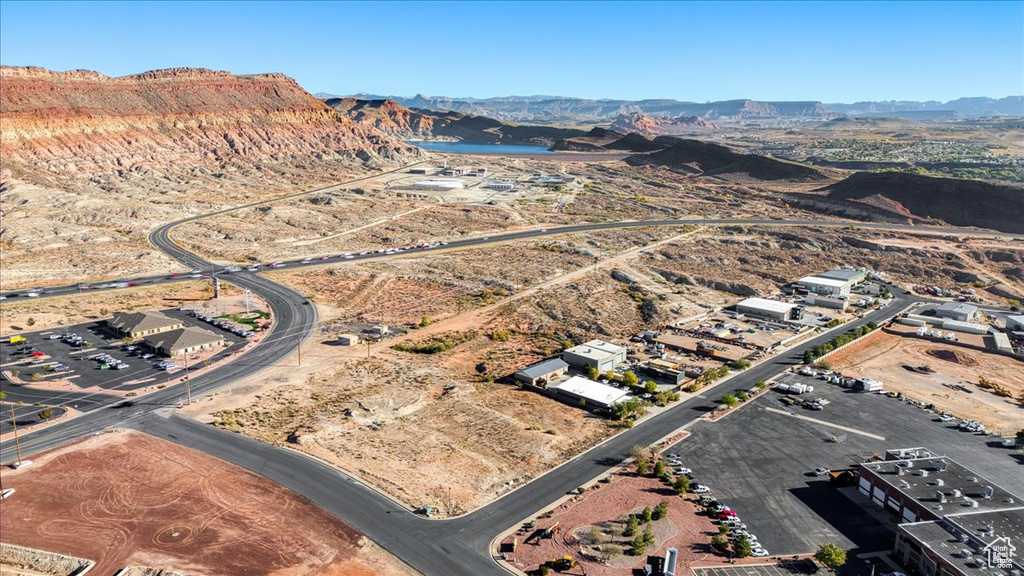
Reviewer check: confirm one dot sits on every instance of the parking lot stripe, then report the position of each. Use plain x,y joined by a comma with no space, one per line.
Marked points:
824,423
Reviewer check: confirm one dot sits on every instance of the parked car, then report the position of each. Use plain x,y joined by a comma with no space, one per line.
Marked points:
821,471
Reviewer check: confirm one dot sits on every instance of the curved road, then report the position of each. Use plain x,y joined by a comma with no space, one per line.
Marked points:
450,547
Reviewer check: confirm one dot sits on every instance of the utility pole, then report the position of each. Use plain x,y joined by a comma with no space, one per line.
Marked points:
188,386
17,443
298,345
367,348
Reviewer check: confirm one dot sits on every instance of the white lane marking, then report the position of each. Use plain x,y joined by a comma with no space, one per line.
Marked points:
824,423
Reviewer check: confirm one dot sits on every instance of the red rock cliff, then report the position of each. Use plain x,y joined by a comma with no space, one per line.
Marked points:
82,122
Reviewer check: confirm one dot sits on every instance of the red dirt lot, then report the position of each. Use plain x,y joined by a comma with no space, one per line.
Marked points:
127,499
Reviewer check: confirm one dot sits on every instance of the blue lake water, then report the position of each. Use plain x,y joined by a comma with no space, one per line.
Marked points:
475,148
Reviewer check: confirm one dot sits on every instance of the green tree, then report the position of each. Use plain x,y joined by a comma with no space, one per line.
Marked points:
632,526
659,468
642,467
742,395
648,535
646,514
741,546
630,379
723,529
637,547
681,484
741,364
592,372
730,400
660,511
544,570
610,376
720,543
830,555
650,387
46,413
809,356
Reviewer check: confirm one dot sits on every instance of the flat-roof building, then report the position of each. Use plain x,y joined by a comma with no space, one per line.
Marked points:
438,185
774,309
184,341
959,311
141,324
348,340
846,275
1015,323
597,353
542,373
592,394
826,286
503,186
964,544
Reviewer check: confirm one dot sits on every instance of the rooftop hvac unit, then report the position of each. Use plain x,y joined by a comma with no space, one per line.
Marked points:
941,465
940,482
986,491
922,472
974,479
908,463
966,553
956,493
899,471
940,496
973,503
904,484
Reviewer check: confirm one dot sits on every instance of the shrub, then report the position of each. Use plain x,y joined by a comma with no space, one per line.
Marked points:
650,387
741,364
742,396
741,547
46,413
632,526
630,379
761,385
646,514
660,511
681,484
592,373
31,321
730,400
831,555
720,543
501,335
659,468
642,467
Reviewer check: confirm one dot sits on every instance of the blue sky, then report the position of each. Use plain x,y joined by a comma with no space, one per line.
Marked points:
828,51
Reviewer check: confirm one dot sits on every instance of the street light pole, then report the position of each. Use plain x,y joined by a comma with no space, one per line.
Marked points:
17,443
188,386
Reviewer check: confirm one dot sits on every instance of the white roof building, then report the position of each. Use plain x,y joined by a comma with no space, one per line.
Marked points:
438,185
826,286
774,307
593,393
1015,322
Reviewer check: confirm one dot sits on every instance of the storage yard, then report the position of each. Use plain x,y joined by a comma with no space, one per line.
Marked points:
940,373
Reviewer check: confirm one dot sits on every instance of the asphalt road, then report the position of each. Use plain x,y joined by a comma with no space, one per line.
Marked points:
450,547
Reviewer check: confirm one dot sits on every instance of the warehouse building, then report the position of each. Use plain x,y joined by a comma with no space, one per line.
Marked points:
541,373
847,275
141,324
597,353
1014,323
826,286
838,303
500,186
592,394
773,309
959,311
438,185
182,341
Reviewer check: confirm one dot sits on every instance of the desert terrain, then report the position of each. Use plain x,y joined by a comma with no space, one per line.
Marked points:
951,384
126,499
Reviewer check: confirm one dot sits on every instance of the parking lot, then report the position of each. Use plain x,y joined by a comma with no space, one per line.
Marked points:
795,568
759,460
80,363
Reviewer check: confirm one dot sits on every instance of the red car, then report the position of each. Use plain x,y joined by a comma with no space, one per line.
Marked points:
726,514
37,354
133,283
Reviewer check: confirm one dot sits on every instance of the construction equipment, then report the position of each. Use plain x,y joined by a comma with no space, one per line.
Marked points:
562,564
552,531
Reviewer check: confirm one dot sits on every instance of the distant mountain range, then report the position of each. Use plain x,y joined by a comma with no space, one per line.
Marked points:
555,109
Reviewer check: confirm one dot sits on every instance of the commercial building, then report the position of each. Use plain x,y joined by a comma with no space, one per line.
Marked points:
438,185
846,275
1002,343
951,520
826,286
186,340
417,170
592,394
348,340
500,186
597,353
964,544
542,373
1014,323
141,324
827,301
765,308
959,311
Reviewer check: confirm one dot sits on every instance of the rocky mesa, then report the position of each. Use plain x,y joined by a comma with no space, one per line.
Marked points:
660,125
86,123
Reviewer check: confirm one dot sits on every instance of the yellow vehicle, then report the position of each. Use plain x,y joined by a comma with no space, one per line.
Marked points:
17,339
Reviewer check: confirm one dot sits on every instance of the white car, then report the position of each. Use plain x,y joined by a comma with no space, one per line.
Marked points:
821,471
32,295
700,489
759,553
684,471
